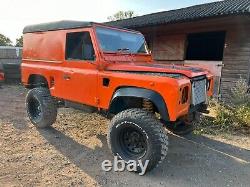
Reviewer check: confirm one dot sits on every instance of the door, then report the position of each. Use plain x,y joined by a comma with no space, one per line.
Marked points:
206,50
79,75
215,67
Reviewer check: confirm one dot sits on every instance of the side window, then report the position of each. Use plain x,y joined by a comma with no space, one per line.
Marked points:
79,46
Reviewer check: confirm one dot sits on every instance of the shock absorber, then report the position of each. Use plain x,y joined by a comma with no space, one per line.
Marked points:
148,105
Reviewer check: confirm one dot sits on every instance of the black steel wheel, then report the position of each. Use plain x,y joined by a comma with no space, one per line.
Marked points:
133,142
34,107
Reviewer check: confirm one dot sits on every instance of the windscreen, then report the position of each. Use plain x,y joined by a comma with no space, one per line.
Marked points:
112,40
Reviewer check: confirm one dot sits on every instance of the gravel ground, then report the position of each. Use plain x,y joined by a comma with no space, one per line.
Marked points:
71,152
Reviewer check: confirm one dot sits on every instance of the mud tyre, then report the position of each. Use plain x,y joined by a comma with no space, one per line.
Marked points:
136,134
41,107
185,127
181,129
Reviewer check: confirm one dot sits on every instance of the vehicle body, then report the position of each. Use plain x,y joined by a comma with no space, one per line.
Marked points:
107,69
1,74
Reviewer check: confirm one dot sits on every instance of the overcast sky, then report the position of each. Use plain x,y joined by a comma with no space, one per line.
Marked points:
15,14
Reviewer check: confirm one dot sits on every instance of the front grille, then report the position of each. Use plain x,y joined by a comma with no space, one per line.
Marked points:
199,94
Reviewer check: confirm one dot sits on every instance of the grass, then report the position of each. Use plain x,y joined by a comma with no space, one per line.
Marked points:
230,118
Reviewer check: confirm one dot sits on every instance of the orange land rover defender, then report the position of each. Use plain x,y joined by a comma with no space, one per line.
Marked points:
98,68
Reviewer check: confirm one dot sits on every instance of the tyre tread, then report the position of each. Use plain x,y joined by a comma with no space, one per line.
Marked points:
50,113
152,126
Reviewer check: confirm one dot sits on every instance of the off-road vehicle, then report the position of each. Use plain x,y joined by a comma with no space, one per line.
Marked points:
98,68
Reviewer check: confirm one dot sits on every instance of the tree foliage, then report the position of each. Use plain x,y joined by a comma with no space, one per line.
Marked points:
19,42
122,15
5,41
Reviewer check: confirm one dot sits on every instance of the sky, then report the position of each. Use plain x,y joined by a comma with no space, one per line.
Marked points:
16,14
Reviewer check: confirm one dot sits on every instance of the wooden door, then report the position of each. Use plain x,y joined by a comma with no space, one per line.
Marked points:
215,67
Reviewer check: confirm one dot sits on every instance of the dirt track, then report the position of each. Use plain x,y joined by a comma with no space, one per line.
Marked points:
71,153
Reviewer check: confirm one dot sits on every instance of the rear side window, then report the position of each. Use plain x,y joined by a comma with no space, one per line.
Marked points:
79,46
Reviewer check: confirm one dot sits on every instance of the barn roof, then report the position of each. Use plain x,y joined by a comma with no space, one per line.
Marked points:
58,25
209,10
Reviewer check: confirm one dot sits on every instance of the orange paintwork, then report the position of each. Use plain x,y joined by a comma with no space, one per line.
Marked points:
44,54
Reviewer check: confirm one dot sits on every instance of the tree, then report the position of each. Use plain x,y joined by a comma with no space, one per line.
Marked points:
19,42
5,41
122,15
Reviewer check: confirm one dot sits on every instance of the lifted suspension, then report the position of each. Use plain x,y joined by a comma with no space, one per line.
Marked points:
148,105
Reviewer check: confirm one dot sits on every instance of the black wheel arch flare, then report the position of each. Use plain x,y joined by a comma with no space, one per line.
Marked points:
143,93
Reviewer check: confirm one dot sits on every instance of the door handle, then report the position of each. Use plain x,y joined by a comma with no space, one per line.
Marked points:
66,77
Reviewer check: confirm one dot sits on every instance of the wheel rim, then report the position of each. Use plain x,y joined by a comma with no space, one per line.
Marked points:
133,142
34,107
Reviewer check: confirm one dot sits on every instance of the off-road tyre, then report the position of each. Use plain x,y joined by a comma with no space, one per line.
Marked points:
41,107
148,126
181,128
184,127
